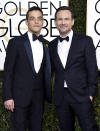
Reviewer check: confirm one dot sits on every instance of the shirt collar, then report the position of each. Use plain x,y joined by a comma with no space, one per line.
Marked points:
29,35
70,35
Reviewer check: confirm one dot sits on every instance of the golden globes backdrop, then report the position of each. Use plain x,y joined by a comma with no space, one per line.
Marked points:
93,25
12,20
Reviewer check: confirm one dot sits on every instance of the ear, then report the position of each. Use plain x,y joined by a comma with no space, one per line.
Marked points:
26,22
72,22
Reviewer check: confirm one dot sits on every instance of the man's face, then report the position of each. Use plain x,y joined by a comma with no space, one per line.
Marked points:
35,22
64,21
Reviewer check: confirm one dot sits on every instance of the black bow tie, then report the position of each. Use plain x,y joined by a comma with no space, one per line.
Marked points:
35,37
61,39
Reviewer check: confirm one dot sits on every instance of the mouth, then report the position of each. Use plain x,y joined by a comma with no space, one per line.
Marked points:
36,26
63,27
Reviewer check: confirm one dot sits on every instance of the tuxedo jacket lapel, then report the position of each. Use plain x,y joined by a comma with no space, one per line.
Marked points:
58,60
47,70
29,51
71,51
47,57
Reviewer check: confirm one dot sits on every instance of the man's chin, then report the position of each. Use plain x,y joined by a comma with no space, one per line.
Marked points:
36,31
64,32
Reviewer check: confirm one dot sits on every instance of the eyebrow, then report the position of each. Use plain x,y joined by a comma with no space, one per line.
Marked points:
34,17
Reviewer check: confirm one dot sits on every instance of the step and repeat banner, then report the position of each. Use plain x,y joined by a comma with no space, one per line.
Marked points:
12,20
93,25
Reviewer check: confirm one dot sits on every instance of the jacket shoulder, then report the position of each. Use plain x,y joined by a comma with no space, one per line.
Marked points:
82,36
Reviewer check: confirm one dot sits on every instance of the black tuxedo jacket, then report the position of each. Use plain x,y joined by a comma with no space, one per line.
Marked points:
19,71
80,72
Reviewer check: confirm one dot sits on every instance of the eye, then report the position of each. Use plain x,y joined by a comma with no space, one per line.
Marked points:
66,18
34,19
39,18
31,18
59,19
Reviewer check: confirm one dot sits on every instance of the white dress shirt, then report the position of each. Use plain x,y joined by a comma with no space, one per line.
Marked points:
63,50
37,51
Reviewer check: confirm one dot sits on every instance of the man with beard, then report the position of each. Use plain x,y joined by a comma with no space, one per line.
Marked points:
73,62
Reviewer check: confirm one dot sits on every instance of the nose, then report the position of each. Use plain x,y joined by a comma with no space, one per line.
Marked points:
63,21
36,20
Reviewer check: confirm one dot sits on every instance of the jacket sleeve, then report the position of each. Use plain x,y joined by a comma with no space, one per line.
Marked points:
9,70
91,65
